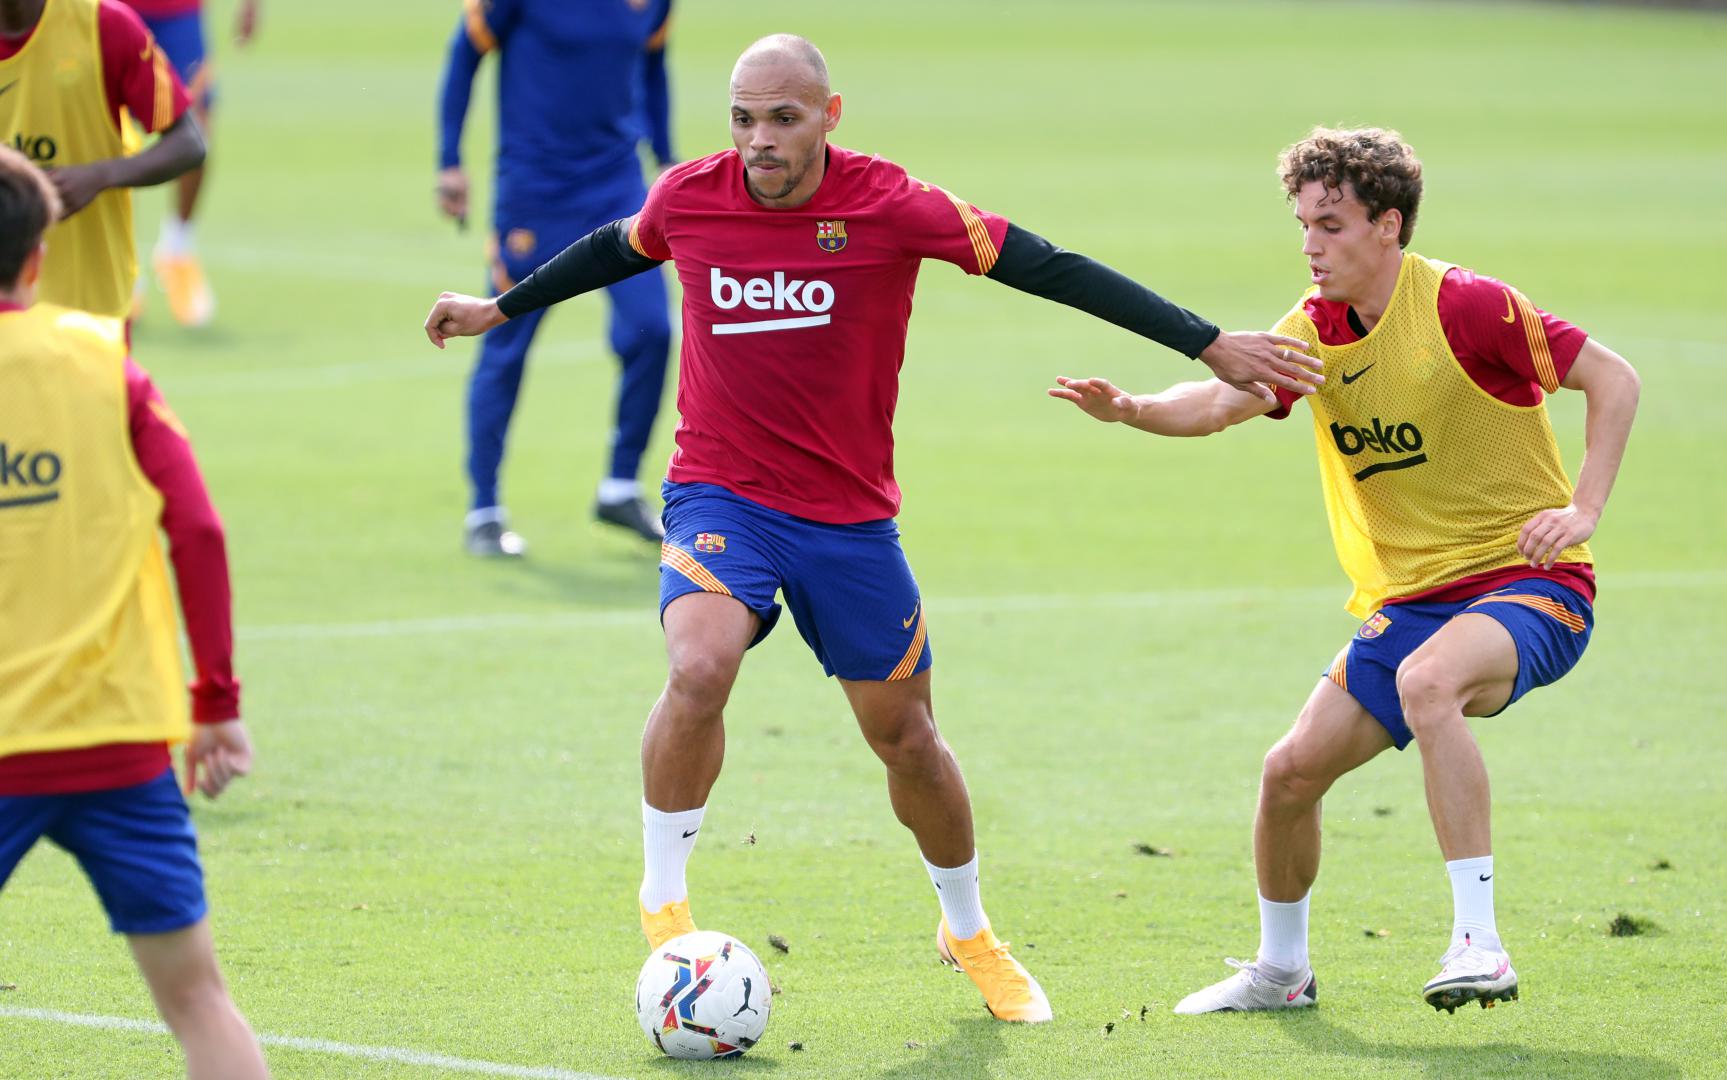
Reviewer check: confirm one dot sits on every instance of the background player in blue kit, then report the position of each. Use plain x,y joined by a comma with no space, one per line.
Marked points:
580,84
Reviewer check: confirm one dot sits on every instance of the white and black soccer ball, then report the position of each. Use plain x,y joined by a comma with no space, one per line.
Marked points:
703,995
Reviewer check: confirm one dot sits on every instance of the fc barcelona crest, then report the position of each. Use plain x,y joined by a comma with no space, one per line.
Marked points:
831,235
712,543
1375,626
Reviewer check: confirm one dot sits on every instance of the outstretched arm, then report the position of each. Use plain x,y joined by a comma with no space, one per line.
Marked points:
603,257
1610,390
1245,360
1186,409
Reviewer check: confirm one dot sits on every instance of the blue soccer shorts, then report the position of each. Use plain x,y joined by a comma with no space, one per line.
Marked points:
135,843
1549,623
181,39
849,587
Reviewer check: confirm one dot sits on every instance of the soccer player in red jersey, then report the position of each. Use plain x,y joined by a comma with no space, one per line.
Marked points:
1453,517
93,466
798,261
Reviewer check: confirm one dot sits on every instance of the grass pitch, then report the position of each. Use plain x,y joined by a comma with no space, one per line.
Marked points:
439,852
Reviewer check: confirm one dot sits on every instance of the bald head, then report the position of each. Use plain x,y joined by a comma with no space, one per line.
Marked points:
806,65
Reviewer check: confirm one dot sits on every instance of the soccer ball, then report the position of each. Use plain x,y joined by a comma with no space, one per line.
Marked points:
703,995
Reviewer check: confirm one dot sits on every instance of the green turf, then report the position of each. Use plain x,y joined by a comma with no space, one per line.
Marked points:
440,848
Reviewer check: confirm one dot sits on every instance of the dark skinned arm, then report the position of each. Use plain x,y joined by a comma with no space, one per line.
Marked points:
180,149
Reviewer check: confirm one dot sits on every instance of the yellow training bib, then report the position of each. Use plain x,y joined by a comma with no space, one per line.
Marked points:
1427,477
88,649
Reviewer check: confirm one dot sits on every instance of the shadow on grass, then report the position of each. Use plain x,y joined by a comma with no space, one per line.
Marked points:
965,1052
1317,1035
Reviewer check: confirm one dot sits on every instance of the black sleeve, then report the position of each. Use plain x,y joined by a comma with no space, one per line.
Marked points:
603,257
1032,264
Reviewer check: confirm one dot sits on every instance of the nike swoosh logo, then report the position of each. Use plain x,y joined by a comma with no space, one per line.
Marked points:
1348,378
1510,315
1486,877
8,86
692,832
1293,994
905,623
1503,966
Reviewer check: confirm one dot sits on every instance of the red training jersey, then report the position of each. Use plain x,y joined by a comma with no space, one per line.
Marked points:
1497,354
135,73
198,550
794,324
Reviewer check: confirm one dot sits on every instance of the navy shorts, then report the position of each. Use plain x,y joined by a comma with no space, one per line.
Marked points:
181,39
849,587
135,844
1549,623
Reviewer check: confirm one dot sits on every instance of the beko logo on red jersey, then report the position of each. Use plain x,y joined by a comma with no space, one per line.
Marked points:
778,293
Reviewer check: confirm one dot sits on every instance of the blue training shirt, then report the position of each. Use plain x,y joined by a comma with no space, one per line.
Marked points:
580,84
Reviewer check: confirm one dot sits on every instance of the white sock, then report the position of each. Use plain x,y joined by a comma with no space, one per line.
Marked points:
1283,936
667,840
176,237
485,515
1472,901
956,888
616,490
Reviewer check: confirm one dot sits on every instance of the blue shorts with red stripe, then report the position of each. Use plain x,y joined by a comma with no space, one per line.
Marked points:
181,39
135,844
1549,623
849,587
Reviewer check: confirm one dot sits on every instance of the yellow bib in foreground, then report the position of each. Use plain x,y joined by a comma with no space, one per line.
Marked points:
88,648
1427,477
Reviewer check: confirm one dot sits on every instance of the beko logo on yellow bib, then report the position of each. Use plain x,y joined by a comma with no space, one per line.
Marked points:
778,293
28,477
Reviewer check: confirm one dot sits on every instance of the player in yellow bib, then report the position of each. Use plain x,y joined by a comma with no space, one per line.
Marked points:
1453,517
93,467
77,77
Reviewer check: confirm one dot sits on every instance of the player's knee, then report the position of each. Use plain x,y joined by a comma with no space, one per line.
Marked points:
701,681
198,997
909,745
1285,782
1428,693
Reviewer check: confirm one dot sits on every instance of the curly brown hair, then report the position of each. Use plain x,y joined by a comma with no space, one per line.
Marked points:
28,205
1376,163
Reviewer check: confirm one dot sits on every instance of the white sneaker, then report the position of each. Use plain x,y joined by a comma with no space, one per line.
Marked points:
1249,990
1470,972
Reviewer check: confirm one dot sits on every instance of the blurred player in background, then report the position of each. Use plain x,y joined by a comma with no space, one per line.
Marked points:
71,72
1453,518
93,466
580,84
798,261
178,26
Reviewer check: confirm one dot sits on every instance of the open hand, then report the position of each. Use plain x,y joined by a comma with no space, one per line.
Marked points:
222,752
1100,398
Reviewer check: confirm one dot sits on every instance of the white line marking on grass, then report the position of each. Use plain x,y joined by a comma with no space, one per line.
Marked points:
643,615
320,1046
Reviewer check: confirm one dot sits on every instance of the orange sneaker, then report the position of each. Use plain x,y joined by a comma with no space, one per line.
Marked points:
1009,991
189,297
668,922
